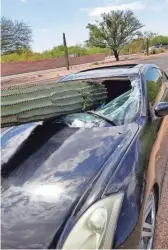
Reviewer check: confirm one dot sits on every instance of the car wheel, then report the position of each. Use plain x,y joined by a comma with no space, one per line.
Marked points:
148,225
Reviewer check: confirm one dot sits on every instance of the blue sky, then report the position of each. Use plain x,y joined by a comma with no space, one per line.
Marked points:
50,18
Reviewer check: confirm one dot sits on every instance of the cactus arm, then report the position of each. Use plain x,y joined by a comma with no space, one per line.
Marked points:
39,102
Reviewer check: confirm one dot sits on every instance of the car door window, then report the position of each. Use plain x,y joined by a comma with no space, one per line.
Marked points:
155,86
165,82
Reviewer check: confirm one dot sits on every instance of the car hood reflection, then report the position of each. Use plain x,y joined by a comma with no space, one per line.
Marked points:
42,186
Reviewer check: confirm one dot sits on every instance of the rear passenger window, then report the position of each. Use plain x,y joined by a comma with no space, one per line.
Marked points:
154,86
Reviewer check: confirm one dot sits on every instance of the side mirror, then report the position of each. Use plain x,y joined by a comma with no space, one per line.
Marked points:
161,109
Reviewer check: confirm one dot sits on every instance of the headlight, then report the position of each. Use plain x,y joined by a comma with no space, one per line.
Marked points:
96,227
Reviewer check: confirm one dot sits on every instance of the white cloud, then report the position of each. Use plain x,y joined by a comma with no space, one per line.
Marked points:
166,1
23,1
105,9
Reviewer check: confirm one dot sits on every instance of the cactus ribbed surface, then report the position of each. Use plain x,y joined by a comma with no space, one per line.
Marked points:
38,102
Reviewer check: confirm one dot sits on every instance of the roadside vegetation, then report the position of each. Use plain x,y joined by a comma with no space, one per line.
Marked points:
28,55
157,51
110,36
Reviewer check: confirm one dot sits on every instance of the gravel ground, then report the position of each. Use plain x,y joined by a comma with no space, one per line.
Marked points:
161,236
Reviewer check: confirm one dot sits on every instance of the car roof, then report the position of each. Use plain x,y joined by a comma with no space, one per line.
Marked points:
123,70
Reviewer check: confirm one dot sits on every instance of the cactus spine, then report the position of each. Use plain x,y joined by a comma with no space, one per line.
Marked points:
38,102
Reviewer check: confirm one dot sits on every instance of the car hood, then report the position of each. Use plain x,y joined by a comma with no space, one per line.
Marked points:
45,172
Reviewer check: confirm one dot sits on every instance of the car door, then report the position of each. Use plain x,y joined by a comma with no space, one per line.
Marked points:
156,83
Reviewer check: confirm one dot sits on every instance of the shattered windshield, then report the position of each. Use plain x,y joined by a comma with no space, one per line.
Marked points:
121,110
124,108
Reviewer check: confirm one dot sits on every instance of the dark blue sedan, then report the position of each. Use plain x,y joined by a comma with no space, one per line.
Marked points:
89,180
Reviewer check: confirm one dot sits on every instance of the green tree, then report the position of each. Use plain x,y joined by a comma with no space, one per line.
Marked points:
147,34
15,36
116,29
77,50
160,40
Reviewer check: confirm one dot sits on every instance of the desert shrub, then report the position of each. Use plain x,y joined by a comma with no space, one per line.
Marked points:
154,51
162,50
77,50
136,46
14,57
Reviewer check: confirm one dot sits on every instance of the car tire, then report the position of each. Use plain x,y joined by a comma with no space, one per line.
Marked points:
149,221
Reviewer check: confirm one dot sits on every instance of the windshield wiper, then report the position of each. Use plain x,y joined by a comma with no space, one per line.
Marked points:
102,117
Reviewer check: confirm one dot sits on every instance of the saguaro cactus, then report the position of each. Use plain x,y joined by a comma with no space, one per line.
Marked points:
38,102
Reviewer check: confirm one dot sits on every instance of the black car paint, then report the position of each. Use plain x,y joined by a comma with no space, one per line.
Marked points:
130,178
31,219
129,175
115,160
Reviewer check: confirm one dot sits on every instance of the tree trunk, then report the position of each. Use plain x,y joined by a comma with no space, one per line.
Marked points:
147,49
116,54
